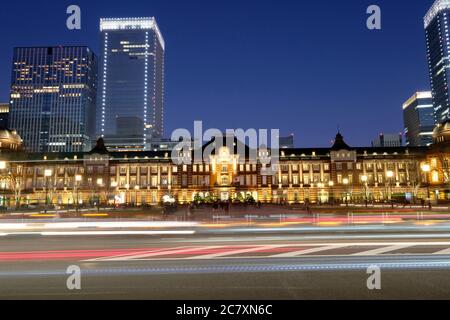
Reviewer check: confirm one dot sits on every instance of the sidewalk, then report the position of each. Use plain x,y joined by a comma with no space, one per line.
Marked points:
208,213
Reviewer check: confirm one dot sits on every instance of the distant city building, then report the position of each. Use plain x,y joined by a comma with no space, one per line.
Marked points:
438,52
389,140
154,144
4,115
287,142
53,98
418,117
131,96
162,144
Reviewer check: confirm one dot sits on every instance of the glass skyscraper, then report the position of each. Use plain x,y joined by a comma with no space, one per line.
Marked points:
53,98
438,52
131,96
418,116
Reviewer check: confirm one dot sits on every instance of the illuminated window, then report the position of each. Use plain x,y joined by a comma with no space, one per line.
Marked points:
264,180
225,181
435,176
434,162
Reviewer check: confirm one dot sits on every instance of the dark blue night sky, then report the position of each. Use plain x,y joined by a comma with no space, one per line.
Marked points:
302,66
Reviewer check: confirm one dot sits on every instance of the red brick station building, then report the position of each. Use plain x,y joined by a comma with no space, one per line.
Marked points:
337,174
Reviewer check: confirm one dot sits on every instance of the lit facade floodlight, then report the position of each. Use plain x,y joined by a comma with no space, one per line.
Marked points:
346,181
390,174
168,199
364,178
99,181
426,168
2,165
78,178
48,173
331,184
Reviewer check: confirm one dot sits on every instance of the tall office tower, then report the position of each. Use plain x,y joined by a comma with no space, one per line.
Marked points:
53,97
287,142
388,140
418,117
4,115
131,96
438,52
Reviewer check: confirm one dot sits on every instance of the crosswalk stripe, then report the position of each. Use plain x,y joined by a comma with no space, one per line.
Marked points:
378,251
233,252
307,251
168,252
443,252
142,255
125,255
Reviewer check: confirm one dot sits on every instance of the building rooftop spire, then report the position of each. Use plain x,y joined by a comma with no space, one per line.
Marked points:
437,7
339,143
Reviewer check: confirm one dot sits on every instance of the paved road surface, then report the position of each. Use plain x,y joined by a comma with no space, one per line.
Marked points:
242,266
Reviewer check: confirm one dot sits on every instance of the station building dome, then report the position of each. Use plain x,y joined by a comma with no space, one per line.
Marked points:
441,134
10,140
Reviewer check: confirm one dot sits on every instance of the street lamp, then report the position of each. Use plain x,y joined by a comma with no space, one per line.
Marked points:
127,187
320,186
389,176
331,185
364,180
426,168
47,174
99,185
346,182
78,179
3,166
136,188
114,185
